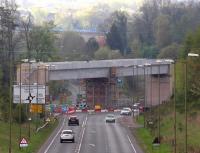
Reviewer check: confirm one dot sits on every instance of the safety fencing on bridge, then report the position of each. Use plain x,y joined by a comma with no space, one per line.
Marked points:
64,109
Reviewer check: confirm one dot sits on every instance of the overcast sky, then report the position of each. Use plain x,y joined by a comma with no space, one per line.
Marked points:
73,3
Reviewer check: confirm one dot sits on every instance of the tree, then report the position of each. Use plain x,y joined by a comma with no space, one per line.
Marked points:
102,53
149,51
192,44
72,42
135,49
8,16
171,51
42,42
115,54
106,53
91,46
113,38
117,36
149,12
162,31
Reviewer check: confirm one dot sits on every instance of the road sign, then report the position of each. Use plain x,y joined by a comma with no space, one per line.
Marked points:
64,108
36,108
23,143
26,96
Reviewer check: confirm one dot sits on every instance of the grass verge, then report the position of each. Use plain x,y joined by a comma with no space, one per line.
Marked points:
37,139
145,139
145,136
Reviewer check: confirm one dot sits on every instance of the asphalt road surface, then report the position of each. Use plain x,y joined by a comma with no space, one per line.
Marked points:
93,136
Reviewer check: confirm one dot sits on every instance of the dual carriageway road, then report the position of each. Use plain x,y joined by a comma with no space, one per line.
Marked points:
93,136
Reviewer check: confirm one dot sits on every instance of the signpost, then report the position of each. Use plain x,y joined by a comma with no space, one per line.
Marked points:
25,96
23,143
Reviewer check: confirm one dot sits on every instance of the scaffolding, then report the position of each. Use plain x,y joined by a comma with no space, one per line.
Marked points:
96,92
112,96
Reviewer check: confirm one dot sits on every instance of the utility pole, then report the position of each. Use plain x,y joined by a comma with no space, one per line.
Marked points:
133,83
37,98
144,96
174,107
20,100
186,116
151,92
159,102
29,98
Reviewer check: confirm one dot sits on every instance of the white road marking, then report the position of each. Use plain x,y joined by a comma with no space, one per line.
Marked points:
47,149
84,125
131,144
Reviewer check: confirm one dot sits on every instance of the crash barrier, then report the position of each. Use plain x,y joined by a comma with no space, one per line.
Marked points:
101,111
38,129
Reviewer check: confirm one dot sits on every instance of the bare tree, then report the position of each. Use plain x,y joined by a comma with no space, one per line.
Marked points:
26,25
8,15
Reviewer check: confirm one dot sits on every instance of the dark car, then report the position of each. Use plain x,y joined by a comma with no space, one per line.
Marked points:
73,120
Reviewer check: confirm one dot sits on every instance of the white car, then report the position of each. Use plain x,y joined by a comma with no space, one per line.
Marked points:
136,105
126,111
67,135
110,118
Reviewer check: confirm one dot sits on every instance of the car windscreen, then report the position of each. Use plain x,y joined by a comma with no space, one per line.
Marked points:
67,132
73,118
111,116
126,109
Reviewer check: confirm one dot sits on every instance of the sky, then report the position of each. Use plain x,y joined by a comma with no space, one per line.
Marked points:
71,3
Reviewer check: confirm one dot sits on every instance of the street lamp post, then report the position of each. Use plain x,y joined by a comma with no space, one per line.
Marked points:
93,98
174,107
159,102
37,77
20,101
143,66
174,90
45,75
29,105
186,107
158,61
29,98
10,103
151,91
186,112
137,81
48,67
133,83
174,99
146,77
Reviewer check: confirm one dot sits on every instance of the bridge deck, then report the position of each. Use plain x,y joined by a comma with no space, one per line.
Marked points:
100,68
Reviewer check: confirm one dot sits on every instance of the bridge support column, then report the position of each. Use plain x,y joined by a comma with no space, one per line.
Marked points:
96,92
112,88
